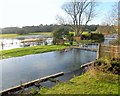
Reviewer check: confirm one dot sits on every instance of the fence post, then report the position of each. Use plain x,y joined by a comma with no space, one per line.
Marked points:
98,51
117,52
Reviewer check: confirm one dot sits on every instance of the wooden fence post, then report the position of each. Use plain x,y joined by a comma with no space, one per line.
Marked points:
98,51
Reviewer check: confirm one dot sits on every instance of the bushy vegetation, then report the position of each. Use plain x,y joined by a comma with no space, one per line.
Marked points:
108,65
93,36
86,36
29,50
97,36
59,35
62,37
92,82
70,38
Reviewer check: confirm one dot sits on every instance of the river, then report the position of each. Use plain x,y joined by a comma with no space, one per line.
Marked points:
30,67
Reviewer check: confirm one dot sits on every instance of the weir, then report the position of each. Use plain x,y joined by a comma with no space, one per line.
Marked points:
29,84
87,64
87,47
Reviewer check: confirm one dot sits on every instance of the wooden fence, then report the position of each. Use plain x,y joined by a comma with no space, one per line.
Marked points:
109,51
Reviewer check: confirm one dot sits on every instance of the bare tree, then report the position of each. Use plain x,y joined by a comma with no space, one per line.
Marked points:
60,20
118,22
112,18
81,12
114,14
115,17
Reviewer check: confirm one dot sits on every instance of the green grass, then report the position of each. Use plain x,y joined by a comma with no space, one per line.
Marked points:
29,50
16,35
42,33
8,35
89,83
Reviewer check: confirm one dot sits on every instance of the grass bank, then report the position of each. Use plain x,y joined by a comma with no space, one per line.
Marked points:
91,82
29,50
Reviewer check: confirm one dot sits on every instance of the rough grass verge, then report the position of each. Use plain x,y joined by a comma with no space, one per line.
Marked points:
92,82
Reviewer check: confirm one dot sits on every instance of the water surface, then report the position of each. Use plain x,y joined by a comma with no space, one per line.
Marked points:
30,67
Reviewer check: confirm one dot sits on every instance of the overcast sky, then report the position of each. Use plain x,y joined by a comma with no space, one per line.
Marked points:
35,12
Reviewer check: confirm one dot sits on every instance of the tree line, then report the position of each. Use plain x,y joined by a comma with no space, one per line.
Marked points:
41,28
29,29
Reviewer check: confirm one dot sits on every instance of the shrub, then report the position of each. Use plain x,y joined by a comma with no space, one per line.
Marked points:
107,65
59,34
97,36
85,36
70,38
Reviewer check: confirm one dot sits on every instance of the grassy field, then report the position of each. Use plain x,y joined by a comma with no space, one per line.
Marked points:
44,33
16,35
9,35
91,82
29,50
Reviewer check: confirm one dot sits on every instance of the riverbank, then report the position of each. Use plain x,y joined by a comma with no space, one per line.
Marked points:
92,82
29,50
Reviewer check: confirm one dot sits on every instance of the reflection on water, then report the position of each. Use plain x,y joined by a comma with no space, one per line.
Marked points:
31,67
6,44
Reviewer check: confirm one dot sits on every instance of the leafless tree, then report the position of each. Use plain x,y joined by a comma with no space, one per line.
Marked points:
81,12
118,21
60,20
115,17
112,18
